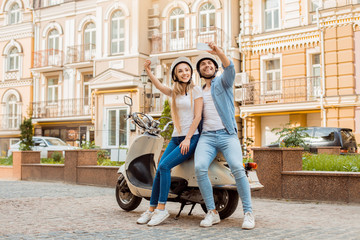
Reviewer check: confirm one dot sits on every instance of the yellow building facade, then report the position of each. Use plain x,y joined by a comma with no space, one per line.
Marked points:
300,64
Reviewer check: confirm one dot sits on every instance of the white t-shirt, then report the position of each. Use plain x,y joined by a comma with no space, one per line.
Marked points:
186,111
211,118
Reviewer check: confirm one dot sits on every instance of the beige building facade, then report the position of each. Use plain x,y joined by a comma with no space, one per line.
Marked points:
89,54
16,46
300,64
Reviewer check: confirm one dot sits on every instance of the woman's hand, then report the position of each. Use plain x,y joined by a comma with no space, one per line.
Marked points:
147,65
185,145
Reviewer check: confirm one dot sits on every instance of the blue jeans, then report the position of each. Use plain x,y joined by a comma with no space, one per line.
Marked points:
209,144
171,158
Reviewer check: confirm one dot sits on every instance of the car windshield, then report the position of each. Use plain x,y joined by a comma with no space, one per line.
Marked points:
55,142
347,136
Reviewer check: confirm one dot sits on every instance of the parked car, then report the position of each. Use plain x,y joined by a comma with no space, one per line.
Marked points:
44,144
328,136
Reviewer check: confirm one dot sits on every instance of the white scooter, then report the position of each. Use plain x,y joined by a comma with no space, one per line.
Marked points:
138,172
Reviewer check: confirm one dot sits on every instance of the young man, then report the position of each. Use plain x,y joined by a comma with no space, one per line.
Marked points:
219,134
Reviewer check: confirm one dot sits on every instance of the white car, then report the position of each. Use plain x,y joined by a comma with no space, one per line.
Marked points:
45,144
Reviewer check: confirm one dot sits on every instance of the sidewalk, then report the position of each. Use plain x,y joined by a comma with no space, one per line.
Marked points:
44,210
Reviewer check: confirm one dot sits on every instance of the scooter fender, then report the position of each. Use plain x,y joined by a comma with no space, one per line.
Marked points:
219,174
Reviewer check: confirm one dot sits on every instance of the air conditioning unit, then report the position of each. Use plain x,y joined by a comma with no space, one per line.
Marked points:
152,32
153,12
241,79
242,95
154,22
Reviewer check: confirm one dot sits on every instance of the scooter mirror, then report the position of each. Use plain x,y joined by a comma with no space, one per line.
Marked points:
128,101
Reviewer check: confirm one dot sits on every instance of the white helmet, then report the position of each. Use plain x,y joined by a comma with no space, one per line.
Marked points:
177,62
205,56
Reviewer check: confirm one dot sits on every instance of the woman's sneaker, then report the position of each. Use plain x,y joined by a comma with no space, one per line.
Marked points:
145,217
210,219
158,217
249,221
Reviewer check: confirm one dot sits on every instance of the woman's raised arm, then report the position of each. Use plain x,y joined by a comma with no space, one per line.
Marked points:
164,89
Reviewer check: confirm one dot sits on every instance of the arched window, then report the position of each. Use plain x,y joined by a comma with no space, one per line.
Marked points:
53,39
89,41
117,32
14,14
53,53
207,17
13,60
12,112
177,22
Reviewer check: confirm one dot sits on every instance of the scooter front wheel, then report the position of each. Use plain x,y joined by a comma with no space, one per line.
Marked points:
124,197
226,202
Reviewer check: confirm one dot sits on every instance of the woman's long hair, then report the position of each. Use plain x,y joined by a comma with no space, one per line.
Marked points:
177,90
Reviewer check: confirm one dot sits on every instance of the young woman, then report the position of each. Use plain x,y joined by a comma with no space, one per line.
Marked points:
186,109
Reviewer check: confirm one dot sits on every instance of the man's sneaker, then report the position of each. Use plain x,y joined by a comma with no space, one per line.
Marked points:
210,219
249,221
145,217
158,217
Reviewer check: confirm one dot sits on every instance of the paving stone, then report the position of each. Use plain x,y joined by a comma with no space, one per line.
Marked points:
53,210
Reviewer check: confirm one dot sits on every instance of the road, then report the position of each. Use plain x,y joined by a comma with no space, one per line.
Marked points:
53,210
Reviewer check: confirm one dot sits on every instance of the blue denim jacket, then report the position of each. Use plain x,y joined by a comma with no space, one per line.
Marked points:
223,97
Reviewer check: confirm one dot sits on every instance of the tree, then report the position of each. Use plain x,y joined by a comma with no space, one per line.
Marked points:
166,113
26,128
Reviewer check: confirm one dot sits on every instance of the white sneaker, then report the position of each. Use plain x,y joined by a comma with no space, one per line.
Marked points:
145,217
249,221
210,219
158,217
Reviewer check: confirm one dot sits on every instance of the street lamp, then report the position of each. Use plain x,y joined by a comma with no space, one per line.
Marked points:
144,79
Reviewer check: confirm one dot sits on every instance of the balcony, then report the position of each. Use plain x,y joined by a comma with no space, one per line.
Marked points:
290,90
80,53
10,121
185,39
62,108
48,58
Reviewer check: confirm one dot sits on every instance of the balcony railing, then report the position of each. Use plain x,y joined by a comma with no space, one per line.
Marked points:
186,39
47,58
62,108
10,121
80,53
280,91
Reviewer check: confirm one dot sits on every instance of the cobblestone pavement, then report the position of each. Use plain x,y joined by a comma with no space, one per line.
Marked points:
48,210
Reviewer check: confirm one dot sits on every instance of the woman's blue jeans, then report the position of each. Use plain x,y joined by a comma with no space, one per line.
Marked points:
170,158
209,144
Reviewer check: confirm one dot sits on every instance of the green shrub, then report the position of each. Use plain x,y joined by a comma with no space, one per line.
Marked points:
108,162
51,161
56,156
103,154
7,160
89,145
167,114
325,162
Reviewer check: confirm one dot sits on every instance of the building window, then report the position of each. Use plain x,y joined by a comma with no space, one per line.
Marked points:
86,89
315,79
53,89
12,112
54,56
177,23
272,14
89,41
207,17
13,60
54,2
117,127
53,40
272,76
14,14
117,33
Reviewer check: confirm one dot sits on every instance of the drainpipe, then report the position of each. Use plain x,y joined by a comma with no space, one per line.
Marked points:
322,42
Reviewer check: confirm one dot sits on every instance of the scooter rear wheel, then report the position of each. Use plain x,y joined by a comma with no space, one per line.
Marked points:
226,202
124,197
